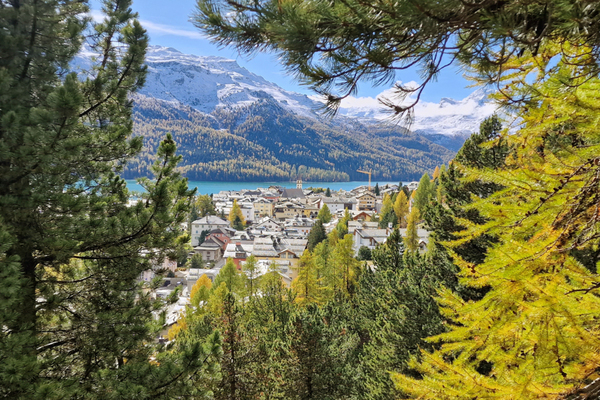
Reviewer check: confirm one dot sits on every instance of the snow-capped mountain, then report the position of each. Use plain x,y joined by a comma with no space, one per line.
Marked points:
209,83
449,117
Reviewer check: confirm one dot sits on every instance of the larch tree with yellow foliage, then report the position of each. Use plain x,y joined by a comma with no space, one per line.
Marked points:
401,208
200,291
236,217
306,285
535,334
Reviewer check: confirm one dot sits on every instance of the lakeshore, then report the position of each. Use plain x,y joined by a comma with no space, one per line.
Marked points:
208,187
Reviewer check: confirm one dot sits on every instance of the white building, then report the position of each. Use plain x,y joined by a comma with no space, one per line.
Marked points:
207,223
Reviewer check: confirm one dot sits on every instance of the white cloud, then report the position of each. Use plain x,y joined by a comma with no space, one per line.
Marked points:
159,29
154,28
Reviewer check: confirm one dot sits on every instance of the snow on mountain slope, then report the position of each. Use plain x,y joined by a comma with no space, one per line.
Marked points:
208,83
448,117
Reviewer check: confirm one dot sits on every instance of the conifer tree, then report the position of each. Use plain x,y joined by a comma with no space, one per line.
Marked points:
306,285
200,291
205,206
197,261
74,321
328,193
236,217
376,189
539,293
333,47
424,193
250,269
317,235
230,276
346,266
324,214
411,240
387,215
401,208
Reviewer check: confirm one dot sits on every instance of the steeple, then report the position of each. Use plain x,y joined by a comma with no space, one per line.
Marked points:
299,183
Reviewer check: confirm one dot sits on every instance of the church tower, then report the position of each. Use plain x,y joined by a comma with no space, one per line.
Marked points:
299,183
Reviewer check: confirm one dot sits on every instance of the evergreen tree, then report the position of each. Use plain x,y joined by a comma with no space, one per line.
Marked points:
205,206
237,223
376,189
332,47
74,321
328,193
424,193
317,235
324,214
229,276
197,261
364,254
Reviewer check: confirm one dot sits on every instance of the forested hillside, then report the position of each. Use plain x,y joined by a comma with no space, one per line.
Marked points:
265,142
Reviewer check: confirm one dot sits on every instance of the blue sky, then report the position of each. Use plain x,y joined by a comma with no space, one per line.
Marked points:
168,24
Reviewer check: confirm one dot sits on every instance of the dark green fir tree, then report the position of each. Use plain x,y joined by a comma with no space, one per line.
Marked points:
75,322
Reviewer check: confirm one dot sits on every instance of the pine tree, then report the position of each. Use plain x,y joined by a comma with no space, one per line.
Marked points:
364,254
328,193
72,250
197,261
324,214
317,235
333,47
376,189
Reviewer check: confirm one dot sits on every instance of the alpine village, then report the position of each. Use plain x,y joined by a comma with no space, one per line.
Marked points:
179,224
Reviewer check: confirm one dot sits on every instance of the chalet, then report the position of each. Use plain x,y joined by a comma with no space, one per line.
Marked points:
366,201
238,252
275,249
211,249
369,238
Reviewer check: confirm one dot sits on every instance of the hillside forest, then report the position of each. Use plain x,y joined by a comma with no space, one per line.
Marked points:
231,144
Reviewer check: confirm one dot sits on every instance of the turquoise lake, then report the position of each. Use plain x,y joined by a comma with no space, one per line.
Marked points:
207,187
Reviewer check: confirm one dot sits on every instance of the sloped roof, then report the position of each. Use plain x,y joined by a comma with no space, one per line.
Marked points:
293,194
211,220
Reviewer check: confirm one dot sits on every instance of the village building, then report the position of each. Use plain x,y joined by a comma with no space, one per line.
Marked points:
207,223
369,238
276,248
366,201
211,249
